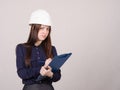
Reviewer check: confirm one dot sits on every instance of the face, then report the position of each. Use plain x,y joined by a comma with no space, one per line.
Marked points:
43,32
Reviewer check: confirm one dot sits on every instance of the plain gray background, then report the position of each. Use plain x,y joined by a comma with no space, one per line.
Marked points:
90,29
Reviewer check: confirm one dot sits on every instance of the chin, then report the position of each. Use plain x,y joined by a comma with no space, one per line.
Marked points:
43,39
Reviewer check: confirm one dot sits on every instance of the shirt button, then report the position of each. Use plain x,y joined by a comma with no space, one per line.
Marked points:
38,57
37,48
37,52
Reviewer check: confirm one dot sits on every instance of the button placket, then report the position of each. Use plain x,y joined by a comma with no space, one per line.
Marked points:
38,53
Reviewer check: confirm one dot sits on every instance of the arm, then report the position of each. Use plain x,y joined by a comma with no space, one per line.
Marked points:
23,71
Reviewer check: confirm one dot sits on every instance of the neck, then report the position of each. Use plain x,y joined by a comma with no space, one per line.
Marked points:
38,43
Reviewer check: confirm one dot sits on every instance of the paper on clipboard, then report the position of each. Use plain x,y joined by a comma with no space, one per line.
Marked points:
59,60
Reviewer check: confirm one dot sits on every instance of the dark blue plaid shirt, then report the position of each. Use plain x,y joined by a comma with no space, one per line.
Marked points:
38,57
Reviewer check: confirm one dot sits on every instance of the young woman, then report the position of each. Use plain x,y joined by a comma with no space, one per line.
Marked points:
34,56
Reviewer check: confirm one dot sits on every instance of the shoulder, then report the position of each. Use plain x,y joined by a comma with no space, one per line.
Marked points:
21,45
53,47
54,50
20,49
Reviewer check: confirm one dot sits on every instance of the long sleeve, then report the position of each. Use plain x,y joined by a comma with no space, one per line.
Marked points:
23,71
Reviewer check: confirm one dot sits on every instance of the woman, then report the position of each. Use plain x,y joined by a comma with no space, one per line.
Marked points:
34,56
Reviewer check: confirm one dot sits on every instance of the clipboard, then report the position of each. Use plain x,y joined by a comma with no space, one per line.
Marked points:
59,60
56,63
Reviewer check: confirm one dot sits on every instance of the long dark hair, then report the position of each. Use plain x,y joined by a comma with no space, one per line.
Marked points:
33,37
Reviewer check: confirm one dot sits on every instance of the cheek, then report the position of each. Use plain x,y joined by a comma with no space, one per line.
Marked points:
47,33
39,34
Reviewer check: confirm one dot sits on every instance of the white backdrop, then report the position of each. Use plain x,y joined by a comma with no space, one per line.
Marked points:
90,29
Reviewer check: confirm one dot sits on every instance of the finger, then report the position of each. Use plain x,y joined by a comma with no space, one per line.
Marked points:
43,68
48,61
49,67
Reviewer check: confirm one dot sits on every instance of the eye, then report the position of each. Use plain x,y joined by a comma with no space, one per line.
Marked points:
47,28
44,28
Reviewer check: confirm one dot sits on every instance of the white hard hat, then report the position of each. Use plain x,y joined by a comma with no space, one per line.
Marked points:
40,17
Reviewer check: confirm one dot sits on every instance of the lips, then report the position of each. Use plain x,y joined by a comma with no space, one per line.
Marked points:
44,36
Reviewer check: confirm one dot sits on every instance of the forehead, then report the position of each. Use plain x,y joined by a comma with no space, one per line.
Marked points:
45,26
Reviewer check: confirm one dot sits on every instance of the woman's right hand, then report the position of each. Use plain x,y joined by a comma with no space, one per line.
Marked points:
46,70
43,71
